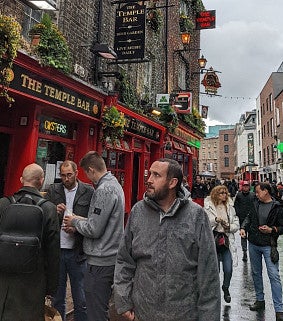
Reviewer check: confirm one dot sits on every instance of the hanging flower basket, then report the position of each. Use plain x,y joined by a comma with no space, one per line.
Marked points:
50,45
10,36
186,24
113,123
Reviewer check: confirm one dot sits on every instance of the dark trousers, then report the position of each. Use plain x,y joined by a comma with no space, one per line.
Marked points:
98,288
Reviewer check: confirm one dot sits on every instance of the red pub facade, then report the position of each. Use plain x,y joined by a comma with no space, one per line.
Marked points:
57,117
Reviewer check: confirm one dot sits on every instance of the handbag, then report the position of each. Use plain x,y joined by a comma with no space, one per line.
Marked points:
221,241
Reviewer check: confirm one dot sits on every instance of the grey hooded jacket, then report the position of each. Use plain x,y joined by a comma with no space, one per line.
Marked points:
104,227
166,267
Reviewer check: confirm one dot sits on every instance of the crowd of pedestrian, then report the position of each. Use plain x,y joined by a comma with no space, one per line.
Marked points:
163,265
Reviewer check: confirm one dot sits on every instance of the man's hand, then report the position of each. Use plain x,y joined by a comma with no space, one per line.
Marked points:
67,220
69,230
61,208
265,229
243,233
129,315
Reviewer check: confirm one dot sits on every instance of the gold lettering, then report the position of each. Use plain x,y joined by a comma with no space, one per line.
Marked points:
83,104
31,84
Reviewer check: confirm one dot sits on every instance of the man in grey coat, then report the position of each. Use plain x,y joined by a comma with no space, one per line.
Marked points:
166,267
22,296
102,232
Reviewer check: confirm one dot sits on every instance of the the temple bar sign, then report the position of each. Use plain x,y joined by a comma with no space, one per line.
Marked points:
205,20
129,39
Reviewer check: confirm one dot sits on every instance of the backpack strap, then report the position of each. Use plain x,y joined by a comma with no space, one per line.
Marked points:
41,201
11,199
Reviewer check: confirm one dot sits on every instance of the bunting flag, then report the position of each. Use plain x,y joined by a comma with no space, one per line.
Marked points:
204,111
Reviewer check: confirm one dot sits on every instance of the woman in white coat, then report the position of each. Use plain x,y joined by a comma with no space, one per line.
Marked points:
220,210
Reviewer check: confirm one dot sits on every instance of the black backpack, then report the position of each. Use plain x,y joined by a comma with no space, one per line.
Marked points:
20,235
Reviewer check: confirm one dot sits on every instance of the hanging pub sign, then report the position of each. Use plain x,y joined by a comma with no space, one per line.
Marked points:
211,82
204,111
182,103
129,41
251,155
205,20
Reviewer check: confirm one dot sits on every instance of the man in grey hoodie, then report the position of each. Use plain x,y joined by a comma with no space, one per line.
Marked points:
102,231
166,267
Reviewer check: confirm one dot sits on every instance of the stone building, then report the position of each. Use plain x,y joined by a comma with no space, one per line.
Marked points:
58,116
226,154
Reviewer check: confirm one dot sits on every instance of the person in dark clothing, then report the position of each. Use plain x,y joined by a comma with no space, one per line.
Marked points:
71,196
22,296
264,224
243,202
199,191
232,188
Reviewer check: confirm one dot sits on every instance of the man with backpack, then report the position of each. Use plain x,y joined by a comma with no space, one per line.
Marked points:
29,250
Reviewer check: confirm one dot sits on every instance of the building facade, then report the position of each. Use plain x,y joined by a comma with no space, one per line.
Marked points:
58,116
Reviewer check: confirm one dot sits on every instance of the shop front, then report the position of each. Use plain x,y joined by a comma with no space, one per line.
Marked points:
129,159
53,118
182,146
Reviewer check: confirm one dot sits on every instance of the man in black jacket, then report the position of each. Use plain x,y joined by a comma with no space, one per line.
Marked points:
71,196
264,224
22,295
243,203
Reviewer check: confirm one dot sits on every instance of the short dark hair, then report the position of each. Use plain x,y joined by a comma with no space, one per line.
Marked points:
94,160
174,170
263,186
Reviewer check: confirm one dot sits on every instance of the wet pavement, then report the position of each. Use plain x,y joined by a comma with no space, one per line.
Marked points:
242,293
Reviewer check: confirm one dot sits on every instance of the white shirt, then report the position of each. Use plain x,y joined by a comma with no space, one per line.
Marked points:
67,240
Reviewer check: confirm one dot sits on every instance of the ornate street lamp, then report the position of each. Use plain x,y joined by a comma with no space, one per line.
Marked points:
202,62
185,37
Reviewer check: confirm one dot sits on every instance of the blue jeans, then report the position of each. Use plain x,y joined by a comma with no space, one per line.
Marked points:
256,253
227,266
75,270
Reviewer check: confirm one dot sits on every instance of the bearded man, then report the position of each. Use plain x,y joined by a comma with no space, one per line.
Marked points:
166,266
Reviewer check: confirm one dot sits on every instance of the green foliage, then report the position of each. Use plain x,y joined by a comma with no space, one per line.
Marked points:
154,19
198,6
127,92
113,123
194,120
185,23
169,118
52,49
10,36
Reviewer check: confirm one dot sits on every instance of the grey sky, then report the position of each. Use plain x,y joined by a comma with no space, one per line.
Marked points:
246,46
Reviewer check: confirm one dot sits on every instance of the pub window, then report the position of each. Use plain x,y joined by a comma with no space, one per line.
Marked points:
115,162
226,148
226,137
31,17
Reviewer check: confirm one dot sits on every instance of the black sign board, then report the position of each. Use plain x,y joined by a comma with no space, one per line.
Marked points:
129,39
33,84
205,20
138,127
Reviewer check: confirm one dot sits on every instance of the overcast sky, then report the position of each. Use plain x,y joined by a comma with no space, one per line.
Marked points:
246,46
